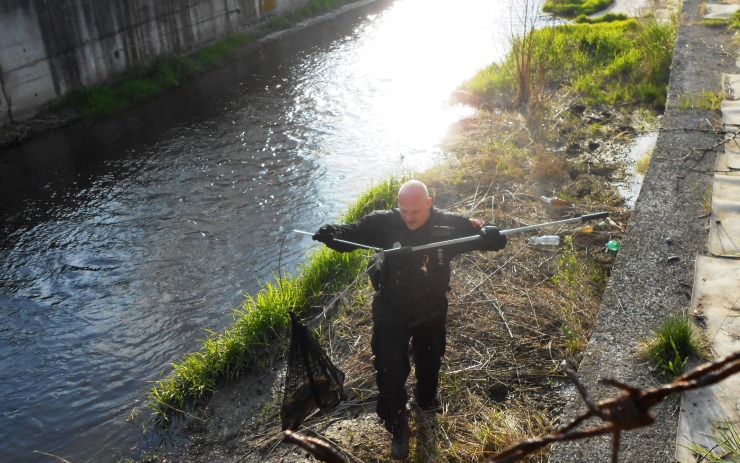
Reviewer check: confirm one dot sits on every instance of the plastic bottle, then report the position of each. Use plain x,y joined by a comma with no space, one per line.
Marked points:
545,240
554,201
613,245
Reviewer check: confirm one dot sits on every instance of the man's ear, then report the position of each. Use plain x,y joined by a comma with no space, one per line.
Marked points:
429,201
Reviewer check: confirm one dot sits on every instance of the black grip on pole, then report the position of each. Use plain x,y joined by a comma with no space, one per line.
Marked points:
598,215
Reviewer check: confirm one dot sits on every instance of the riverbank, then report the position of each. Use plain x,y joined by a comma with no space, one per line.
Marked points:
514,316
559,290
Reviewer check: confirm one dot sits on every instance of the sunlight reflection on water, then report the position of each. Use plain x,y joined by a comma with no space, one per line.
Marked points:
130,237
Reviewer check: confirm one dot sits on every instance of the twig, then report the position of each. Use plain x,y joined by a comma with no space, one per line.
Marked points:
52,455
501,313
495,271
705,150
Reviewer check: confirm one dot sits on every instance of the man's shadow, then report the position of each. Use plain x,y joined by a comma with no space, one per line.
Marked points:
427,426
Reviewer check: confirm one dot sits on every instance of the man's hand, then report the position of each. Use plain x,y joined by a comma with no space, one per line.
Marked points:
492,239
325,234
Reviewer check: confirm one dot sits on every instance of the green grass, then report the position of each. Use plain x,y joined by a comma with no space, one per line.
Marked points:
146,82
606,18
735,20
605,63
707,100
723,23
672,345
728,444
578,279
573,8
263,317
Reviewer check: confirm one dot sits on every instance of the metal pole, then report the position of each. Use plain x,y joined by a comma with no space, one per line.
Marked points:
335,240
406,249
510,231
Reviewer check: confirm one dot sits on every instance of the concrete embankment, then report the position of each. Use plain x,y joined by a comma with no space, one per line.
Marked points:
48,49
654,273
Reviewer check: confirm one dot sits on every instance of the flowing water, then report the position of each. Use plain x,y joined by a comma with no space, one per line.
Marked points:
122,242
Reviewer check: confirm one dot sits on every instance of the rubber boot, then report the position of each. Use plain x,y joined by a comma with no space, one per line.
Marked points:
401,433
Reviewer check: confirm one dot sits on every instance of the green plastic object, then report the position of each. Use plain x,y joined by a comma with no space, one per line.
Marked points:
613,245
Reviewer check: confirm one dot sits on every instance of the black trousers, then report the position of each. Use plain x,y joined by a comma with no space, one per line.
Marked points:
393,329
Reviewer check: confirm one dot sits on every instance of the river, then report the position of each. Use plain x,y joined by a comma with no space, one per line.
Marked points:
122,242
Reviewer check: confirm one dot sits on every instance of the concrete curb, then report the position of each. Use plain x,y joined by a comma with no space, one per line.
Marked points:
654,272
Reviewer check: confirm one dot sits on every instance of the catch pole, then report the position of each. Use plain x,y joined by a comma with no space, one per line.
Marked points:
510,231
335,240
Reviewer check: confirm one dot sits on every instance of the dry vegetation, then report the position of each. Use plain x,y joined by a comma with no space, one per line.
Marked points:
514,315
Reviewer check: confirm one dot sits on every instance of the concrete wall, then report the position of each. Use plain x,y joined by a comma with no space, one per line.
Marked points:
51,47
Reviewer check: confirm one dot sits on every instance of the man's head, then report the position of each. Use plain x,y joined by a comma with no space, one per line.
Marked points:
414,204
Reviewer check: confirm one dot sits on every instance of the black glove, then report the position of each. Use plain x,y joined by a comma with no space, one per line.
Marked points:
325,234
491,238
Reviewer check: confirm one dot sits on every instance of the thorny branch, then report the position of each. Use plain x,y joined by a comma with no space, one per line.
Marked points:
630,409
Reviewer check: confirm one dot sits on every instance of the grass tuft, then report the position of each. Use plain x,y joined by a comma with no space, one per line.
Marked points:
728,444
574,8
706,100
607,18
672,345
642,164
735,20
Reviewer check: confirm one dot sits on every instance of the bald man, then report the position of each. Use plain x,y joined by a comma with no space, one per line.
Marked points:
410,303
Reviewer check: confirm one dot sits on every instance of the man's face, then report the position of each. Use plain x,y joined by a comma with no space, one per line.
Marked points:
415,209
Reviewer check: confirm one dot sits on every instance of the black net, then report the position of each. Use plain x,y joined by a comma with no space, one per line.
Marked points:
311,380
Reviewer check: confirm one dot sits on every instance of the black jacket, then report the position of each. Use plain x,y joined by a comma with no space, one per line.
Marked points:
419,275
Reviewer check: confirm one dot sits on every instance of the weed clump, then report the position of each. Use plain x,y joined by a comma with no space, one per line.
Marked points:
728,444
643,163
573,8
673,343
622,61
